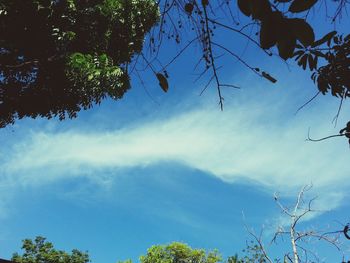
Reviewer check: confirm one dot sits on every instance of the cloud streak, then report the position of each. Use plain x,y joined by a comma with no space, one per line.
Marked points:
228,145
255,143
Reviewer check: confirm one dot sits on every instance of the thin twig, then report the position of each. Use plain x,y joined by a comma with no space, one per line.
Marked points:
306,103
335,119
324,138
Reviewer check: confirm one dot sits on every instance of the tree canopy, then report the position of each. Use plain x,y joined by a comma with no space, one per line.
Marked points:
60,56
66,55
178,252
42,251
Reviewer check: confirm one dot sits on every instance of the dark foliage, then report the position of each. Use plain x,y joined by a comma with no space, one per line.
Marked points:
294,37
60,56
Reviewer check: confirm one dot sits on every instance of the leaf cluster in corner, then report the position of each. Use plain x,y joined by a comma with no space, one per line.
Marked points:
276,28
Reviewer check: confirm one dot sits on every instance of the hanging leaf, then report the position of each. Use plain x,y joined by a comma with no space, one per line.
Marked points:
268,77
301,5
286,45
205,2
312,62
189,8
302,31
318,53
298,54
245,6
322,85
323,40
268,36
260,9
163,82
270,29
303,61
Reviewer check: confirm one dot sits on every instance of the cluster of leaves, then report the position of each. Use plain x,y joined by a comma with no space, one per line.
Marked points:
64,55
41,251
282,25
294,37
181,253
334,76
253,253
178,252
276,28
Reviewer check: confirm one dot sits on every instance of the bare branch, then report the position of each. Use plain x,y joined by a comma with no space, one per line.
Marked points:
306,103
259,242
324,138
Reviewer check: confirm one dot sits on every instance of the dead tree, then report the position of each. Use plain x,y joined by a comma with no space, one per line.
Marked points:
300,239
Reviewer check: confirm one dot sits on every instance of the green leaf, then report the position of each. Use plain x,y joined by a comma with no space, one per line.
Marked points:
163,82
301,5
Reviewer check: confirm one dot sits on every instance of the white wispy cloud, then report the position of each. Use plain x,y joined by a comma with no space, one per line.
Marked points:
251,141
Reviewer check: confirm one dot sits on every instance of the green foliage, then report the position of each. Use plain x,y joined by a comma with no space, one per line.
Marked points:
178,253
181,253
41,251
253,254
64,55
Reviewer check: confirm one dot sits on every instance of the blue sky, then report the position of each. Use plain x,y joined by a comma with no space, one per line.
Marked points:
142,171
